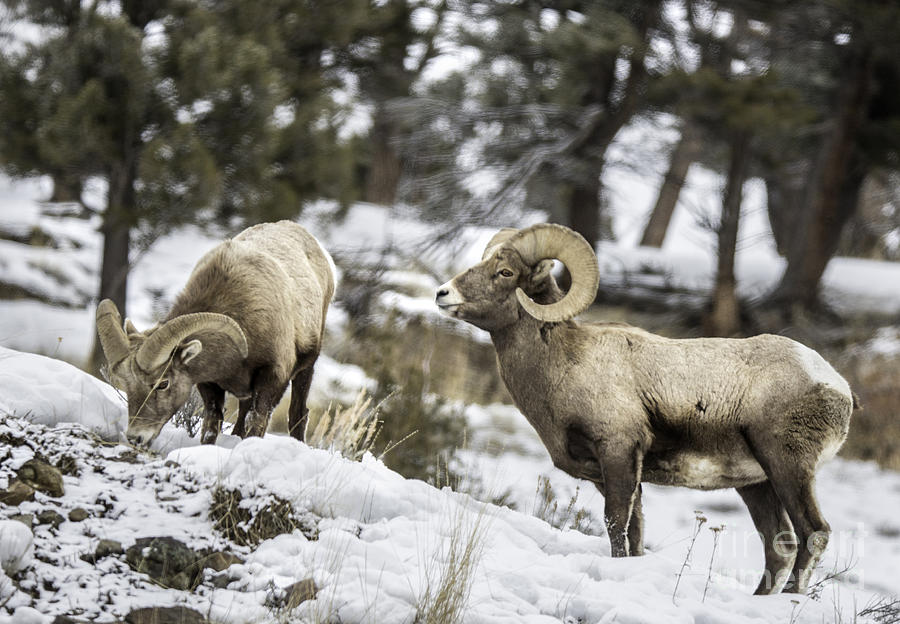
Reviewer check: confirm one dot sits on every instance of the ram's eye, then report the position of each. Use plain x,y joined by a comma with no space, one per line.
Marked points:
162,385
506,273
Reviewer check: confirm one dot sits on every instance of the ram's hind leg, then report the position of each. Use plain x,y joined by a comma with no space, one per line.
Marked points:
775,530
298,414
790,468
214,403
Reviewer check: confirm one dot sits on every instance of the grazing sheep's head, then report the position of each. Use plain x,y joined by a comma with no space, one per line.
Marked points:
515,264
156,368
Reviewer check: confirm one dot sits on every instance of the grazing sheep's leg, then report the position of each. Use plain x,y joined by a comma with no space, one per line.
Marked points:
268,388
214,402
621,477
240,427
298,414
792,478
775,530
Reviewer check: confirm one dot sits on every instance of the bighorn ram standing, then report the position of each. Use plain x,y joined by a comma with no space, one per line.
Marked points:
249,320
619,406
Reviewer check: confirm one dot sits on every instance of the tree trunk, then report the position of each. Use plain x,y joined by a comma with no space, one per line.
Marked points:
828,204
117,223
680,162
724,319
584,209
66,188
784,201
384,172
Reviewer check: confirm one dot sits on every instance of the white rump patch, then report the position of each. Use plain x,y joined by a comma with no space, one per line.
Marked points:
819,370
334,270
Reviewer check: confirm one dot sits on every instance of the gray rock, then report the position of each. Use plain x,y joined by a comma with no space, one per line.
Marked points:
78,515
17,493
167,561
108,547
165,615
294,595
219,561
26,519
42,476
51,517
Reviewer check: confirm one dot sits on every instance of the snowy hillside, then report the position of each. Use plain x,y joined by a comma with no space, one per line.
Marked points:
377,547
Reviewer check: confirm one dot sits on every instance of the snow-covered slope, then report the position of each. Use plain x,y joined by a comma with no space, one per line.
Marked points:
381,547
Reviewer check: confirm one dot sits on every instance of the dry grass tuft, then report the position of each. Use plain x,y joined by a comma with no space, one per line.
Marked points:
449,579
547,508
351,431
247,523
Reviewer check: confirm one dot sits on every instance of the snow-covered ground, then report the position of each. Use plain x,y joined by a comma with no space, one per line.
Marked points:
385,544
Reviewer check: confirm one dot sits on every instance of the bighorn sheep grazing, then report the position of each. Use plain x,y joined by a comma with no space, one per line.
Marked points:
619,406
249,320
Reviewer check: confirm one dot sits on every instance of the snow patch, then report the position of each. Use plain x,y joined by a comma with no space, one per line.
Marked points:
49,392
16,546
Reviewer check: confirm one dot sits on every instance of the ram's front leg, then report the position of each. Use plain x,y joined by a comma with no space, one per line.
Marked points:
214,404
268,388
622,476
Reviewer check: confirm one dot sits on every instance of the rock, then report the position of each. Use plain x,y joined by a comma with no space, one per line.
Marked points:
51,517
16,494
220,581
165,615
42,476
26,519
78,515
16,546
219,561
167,561
296,594
107,548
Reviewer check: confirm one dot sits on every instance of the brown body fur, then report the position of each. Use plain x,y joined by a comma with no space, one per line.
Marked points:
276,282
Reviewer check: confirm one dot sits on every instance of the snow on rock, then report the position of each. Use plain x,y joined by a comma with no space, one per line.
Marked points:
16,546
48,391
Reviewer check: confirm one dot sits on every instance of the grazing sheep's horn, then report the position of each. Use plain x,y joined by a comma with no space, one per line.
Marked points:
112,336
569,247
159,345
497,241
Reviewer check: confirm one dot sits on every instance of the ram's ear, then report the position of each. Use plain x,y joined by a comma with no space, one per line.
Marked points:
539,272
190,350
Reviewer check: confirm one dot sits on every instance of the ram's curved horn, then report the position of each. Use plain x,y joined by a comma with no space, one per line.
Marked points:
112,336
497,241
159,345
548,240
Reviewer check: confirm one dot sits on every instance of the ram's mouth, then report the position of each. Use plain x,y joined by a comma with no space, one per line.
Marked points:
450,309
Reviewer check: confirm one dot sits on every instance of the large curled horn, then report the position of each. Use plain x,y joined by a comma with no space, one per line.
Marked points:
548,240
497,241
159,345
112,336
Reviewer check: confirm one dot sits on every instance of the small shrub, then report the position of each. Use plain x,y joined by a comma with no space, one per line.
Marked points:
417,427
547,508
251,522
